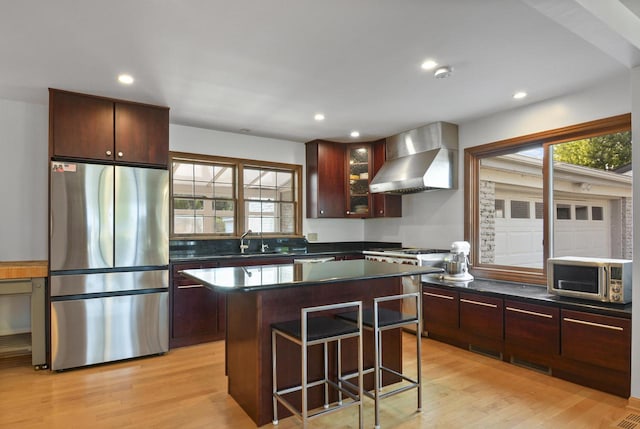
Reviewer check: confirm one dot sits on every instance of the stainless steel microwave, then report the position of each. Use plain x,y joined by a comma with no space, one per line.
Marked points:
598,279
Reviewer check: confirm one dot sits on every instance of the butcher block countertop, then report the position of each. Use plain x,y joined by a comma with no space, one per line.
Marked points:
23,269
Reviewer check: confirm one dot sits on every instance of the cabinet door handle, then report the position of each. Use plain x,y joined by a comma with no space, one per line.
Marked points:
321,211
597,325
189,286
438,295
531,313
108,153
484,304
120,154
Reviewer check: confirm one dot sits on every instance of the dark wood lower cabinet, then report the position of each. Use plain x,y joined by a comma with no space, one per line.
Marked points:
481,321
198,314
583,347
531,332
440,309
596,351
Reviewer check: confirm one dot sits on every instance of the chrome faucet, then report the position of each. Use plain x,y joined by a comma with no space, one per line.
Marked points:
243,246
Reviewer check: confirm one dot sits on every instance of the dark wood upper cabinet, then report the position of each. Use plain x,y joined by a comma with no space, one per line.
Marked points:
142,133
97,128
384,205
338,177
325,179
80,126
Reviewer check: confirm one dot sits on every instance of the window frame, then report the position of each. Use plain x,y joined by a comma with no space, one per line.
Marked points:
239,220
544,139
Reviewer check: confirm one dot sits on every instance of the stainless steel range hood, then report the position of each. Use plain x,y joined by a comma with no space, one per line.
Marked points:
423,159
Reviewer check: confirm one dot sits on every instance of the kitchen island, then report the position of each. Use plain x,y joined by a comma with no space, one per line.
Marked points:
259,296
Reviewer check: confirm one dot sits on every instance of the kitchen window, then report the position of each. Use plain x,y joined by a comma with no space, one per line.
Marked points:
216,197
578,182
269,199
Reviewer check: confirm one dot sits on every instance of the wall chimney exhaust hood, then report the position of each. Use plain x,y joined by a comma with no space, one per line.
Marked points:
423,159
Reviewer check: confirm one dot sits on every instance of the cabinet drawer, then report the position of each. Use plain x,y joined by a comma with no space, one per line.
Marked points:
532,326
481,315
245,262
599,340
194,311
439,309
180,280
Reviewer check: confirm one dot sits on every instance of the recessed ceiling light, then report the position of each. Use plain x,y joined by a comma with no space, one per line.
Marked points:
429,65
520,94
442,72
126,79
355,134
319,117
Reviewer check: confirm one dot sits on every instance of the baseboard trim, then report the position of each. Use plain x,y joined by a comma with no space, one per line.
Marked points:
634,403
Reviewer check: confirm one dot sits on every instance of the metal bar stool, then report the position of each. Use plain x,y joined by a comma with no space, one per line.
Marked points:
378,320
309,331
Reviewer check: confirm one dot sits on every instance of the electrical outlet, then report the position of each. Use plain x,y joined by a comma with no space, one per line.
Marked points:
312,236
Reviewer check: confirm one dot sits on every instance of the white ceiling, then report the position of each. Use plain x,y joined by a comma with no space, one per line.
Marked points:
267,66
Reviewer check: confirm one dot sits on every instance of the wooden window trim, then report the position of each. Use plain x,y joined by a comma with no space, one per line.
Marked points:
239,164
472,156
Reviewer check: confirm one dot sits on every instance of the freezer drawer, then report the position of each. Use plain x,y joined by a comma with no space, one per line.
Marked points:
127,281
97,330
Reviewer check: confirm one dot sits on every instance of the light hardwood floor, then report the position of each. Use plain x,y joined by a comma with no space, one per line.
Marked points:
186,388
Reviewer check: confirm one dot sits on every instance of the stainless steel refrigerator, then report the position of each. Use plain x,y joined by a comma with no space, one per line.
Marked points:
109,256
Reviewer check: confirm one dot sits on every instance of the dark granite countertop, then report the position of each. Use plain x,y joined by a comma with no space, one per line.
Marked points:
190,256
212,250
532,293
265,277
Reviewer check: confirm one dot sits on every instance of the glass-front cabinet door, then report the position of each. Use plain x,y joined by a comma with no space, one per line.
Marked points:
358,200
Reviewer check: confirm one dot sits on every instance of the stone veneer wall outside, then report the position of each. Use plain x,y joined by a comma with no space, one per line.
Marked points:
487,199
627,227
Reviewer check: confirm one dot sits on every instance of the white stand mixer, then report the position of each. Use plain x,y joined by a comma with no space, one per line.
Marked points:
457,267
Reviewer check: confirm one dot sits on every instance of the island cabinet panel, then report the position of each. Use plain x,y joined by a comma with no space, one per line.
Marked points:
248,345
440,312
531,332
89,127
481,321
325,179
198,314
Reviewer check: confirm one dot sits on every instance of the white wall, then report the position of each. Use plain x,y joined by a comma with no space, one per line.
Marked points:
219,143
23,192
429,220
23,179
435,219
